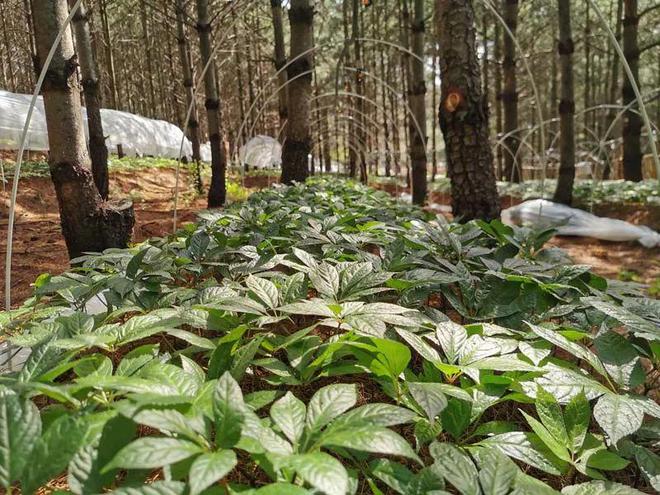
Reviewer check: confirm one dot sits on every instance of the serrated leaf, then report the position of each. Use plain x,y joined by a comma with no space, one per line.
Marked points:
577,417
20,426
618,416
497,474
328,403
288,413
429,396
265,290
374,439
207,469
452,338
517,444
228,411
456,467
153,452
322,471
551,416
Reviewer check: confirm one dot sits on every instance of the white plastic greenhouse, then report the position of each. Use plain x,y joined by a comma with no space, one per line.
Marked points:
138,136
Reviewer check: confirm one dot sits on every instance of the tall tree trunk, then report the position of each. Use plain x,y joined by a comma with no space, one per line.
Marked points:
383,75
146,40
109,56
87,224
280,60
464,115
613,89
298,139
189,88
327,159
564,191
499,123
510,95
90,81
239,84
359,89
434,106
418,105
586,84
632,124
217,191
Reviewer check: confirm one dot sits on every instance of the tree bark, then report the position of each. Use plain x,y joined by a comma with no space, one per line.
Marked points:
298,139
512,170
280,60
188,85
109,56
217,191
359,89
564,191
632,124
418,106
90,81
499,123
464,115
87,223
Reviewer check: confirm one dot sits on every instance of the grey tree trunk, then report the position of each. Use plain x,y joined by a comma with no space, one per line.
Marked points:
632,124
564,191
359,89
499,123
87,223
464,115
90,82
217,191
298,138
510,94
418,106
188,85
280,59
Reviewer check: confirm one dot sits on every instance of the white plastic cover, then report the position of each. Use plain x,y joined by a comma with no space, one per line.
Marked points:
261,152
571,221
138,135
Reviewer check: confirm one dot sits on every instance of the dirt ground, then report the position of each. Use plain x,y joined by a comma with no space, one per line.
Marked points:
39,246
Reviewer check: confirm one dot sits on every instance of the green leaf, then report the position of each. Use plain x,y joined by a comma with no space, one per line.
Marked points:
328,403
207,469
456,417
497,474
518,445
607,461
53,451
577,417
20,426
547,438
456,467
634,323
155,488
429,396
282,489
265,290
374,439
153,452
322,471
550,414
288,413
618,416
228,411
377,414
600,488
451,337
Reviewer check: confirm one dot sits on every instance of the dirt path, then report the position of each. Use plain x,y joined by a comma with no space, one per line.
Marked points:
39,246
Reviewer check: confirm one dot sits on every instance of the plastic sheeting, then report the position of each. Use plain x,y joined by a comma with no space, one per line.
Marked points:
261,152
571,221
138,136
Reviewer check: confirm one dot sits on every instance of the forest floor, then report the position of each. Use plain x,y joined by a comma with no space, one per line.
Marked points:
39,246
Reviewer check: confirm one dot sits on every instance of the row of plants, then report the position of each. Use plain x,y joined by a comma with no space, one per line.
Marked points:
324,339
588,192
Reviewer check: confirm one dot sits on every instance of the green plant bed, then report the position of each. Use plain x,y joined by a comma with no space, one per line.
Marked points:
323,339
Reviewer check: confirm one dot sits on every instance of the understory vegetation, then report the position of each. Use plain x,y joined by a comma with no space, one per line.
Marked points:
324,339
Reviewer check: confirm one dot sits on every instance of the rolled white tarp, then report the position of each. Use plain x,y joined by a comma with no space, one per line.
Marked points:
138,136
541,213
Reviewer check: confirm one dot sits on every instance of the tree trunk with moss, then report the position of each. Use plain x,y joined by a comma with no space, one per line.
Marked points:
298,137
88,224
464,115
